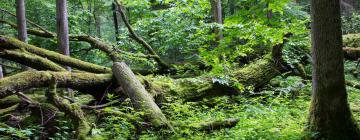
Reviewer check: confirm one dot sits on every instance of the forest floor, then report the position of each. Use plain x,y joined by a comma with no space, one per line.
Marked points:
279,113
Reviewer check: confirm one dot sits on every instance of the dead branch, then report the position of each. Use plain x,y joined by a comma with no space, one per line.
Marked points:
140,40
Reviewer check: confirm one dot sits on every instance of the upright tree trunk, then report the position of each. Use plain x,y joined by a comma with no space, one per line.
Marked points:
21,23
269,13
63,32
1,72
217,15
231,4
330,116
97,17
116,23
1,69
62,28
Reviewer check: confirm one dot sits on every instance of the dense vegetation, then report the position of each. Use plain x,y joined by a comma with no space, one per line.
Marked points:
230,69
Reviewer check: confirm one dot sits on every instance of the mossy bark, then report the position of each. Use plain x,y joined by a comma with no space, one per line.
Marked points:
141,99
12,43
214,125
82,127
30,60
87,82
329,116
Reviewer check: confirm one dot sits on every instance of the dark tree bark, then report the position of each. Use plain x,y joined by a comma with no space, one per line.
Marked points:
231,4
1,72
62,28
330,116
116,22
97,16
217,15
21,23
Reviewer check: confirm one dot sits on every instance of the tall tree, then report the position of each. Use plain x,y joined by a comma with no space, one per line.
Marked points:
116,22
97,17
62,28
1,71
330,116
217,15
21,23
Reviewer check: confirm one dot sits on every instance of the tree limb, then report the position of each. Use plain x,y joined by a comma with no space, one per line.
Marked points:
140,40
86,82
12,43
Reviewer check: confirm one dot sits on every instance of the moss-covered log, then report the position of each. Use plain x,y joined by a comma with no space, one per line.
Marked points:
12,43
86,82
141,99
74,111
215,125
30,60
351,43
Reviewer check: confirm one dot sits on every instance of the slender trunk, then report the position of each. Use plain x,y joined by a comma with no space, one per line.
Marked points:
269,13
116,23
330,116
1,72
217,15
89,17
97,17
21,23
63,32
62,28
1,69
231,4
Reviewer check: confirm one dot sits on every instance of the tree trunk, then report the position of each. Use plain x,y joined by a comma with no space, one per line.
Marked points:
86,82
1,72
98,21
116,22
217,15
62,28
11,43
330,116
141,99
231,4
21,23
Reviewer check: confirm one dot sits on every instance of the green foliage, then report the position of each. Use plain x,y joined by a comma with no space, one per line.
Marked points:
17,133
351,23
250,32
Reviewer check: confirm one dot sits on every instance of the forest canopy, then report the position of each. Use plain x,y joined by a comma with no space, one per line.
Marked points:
180,69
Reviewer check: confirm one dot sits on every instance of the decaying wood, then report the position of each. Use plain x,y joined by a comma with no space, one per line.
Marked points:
141,99
12,43
30,60
74,111
86,82
215,125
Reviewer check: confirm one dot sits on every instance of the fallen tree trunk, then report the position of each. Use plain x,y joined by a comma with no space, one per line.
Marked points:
141,99
215,125
74,111
12,43
351,43
86,82
112,51
30,60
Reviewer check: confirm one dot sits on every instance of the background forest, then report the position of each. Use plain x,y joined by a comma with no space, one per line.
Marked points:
210,73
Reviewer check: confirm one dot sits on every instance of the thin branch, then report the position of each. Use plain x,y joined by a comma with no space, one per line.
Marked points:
99,106
140,40
27,20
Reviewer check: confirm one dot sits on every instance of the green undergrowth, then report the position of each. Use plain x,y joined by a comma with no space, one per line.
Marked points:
276,112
